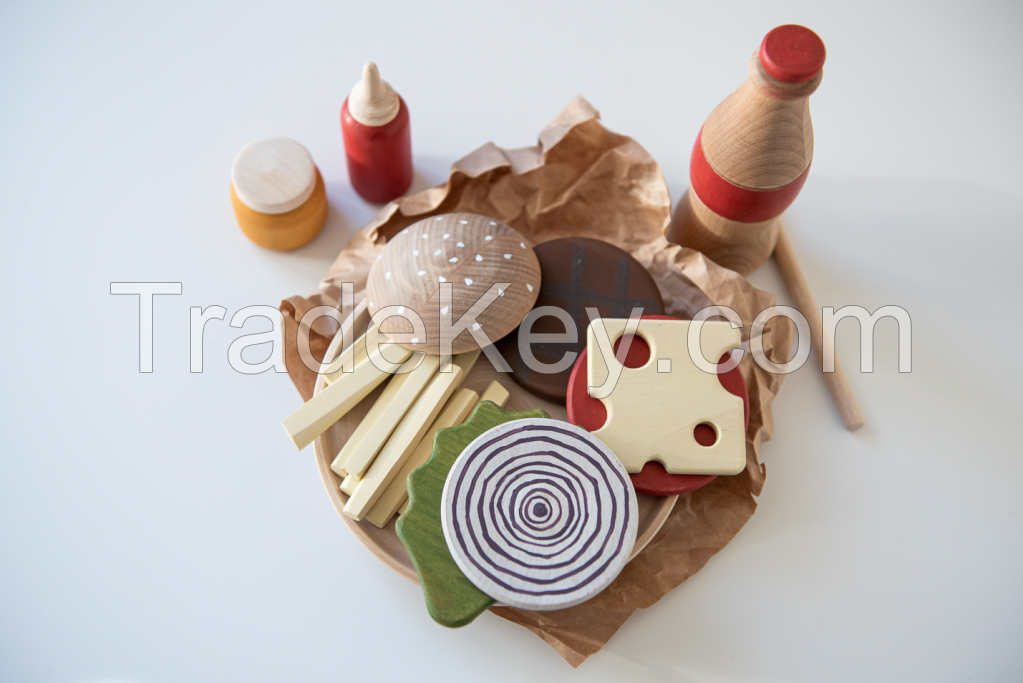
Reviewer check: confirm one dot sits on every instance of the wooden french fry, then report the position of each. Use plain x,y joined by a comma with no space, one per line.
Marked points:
333,372
358,348
390,416
406,437
454,412
385,399
336,399
494,392
349,484
396,495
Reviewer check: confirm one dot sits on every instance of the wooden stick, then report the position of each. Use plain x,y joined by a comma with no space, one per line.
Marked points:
391,415
328,406
406,437
495,393
454,412
385,399
803,299
349,484
358,317
457,409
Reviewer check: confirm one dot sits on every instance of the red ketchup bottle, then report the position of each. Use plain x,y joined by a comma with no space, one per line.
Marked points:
378,143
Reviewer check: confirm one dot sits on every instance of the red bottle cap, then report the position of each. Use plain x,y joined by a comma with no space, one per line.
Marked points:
792,53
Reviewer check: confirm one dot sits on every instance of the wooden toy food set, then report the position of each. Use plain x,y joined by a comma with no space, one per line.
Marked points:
477,447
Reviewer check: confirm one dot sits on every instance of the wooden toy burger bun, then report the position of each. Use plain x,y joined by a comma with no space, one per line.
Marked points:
277,193
444,265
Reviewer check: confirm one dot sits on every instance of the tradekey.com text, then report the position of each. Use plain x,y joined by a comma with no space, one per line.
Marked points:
451,327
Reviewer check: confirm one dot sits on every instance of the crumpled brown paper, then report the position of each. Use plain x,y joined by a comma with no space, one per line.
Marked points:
583,179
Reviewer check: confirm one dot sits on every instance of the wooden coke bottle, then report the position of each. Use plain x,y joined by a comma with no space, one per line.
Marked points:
749,162
378,143
753,154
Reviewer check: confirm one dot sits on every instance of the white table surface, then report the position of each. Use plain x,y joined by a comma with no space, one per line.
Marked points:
161,527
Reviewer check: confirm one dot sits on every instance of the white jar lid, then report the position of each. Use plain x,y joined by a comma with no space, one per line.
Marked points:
273,175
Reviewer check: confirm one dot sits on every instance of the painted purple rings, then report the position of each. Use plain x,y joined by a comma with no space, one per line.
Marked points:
539,514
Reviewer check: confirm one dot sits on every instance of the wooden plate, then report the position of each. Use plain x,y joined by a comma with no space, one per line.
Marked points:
384,543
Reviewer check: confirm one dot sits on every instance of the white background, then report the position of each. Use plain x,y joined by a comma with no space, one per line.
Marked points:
161,527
